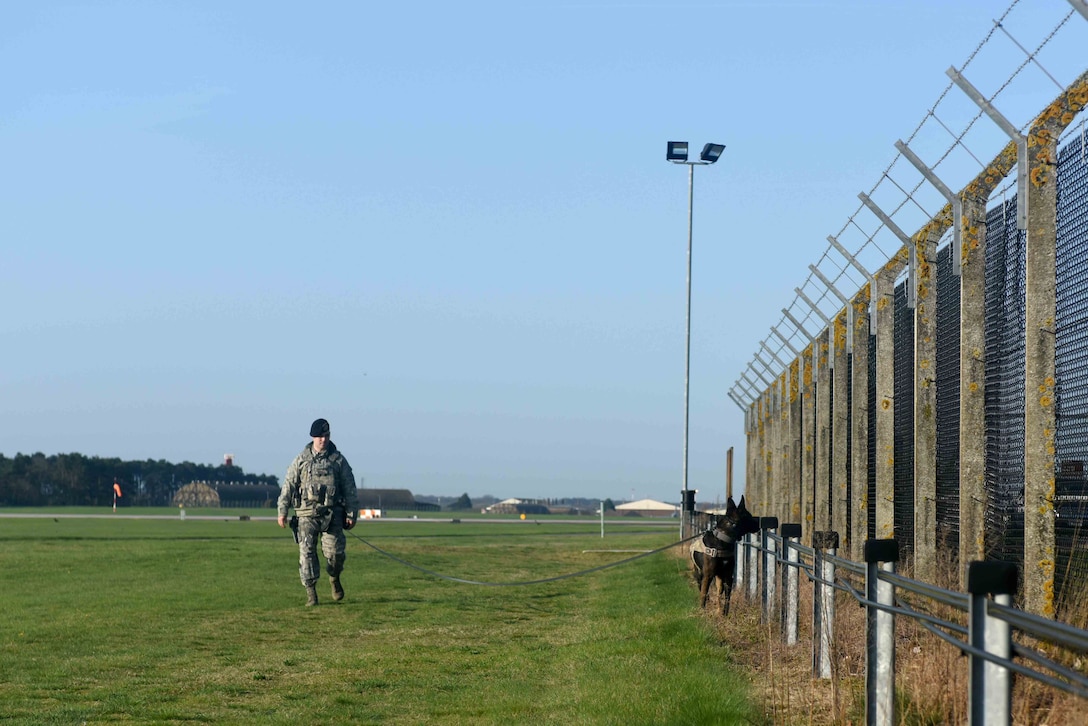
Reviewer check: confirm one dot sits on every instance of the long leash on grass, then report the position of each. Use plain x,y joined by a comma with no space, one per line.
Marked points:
432,573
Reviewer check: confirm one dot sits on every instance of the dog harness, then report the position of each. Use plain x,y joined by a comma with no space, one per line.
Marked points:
723,536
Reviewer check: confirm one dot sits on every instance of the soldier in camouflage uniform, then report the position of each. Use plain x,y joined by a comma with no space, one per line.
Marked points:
321,488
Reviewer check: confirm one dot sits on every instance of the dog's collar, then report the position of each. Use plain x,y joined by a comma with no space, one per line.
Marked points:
724,536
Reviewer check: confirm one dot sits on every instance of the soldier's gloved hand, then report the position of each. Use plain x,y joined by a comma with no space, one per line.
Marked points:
349,522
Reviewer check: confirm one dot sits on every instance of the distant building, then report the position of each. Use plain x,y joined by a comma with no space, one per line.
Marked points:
517,506
196,494
240,494
570,510
243,494
506,506
399,499
648,508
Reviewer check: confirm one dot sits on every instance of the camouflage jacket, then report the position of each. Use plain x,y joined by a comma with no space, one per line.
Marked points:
317,483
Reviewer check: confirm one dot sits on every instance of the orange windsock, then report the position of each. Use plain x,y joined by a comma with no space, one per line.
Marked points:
117,489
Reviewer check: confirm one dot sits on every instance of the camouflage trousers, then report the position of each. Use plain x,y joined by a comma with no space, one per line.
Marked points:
330,530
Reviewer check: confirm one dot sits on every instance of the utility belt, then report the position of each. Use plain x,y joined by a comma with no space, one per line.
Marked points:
323,516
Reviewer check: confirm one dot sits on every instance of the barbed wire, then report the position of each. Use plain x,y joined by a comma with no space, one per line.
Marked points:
961,69
1030,57
958,141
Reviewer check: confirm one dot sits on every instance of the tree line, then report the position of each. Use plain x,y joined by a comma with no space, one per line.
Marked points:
77,480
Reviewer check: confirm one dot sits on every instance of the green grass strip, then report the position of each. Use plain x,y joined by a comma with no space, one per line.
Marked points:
139,621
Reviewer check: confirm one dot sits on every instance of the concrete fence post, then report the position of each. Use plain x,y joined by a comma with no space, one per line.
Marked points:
791,537
822,482
808,436
880,554
990,690
823,602
883,511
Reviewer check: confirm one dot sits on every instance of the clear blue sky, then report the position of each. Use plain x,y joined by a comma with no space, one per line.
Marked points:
448,228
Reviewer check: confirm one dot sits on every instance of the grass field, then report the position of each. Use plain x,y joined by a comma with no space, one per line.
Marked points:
113,620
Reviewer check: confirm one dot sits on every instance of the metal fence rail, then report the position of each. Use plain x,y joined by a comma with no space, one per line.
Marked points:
980,622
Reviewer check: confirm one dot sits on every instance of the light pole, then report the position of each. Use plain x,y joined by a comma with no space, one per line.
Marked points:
677,153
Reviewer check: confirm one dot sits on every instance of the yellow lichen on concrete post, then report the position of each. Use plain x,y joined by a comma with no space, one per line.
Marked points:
840,421
755,476
822,483
859,422
925,399
796,439
751,458
766,449
885,412
808,442
785,449
1040,331
973,495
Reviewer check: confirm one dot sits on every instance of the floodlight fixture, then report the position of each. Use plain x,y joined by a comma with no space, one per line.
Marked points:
677,152
711,152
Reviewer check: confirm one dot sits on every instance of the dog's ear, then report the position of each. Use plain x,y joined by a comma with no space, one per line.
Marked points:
743,508
731,508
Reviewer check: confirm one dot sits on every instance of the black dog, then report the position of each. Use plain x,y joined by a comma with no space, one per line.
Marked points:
719,556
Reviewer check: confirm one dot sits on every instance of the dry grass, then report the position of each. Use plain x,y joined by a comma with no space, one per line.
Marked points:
931,675
782,675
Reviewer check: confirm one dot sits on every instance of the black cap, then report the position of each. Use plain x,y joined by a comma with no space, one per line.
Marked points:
319,427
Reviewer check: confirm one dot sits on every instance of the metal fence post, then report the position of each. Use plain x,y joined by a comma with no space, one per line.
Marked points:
823,602
791,535
990,692
880,554
767,527
753,567
742,563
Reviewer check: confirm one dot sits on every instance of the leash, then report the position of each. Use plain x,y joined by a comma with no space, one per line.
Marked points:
439,575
